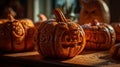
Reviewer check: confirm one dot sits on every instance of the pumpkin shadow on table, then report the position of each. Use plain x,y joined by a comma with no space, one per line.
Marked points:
103,57
86,51
55,58
109,60
58,61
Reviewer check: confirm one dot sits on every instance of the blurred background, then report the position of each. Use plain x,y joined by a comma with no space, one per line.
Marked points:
32,8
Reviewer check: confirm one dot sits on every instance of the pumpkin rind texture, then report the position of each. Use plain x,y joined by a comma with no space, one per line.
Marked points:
30,33
99,36
16,36
60,39
116,27
11,36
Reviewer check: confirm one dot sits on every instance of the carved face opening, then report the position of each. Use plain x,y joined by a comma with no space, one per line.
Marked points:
96,39
116,27
71,39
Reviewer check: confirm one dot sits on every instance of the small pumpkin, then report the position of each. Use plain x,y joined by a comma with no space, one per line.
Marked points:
115,51
16,35
116,27
99,36
42,18
60,37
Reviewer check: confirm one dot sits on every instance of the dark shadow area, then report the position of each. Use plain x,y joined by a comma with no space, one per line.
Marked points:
18,7
90,51
20,62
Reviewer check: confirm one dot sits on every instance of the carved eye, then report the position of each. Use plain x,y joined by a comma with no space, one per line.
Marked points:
74,32
67,38
92,12
86,12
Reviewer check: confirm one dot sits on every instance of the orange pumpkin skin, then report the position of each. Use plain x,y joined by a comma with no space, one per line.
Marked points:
30,33
116,27
59,38
13,36
99,36
3,20
115,51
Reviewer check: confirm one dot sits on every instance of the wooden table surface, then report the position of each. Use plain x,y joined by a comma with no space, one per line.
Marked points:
85,59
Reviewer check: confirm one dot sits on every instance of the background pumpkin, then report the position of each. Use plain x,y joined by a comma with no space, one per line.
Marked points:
42,18
116,27
93,9
99,36
60,38
14,35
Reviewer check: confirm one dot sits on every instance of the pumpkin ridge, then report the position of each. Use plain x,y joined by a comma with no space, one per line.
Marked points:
83,41
111,35
25,39
54,42
38,37
51,39
25,43
12,41
41,31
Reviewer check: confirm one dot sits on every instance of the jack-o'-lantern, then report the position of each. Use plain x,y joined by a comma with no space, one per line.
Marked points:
60,37
99,36
16,35
115,51
116,27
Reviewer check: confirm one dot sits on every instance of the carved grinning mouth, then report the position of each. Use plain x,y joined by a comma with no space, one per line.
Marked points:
70,44
71,39
98,39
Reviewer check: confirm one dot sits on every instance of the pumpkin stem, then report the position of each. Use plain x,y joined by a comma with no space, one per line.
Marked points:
10,17
59,15
95,22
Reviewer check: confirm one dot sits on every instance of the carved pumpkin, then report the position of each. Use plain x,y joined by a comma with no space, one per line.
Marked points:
16,35
60,38
116,27
94,9
99,36
115,51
